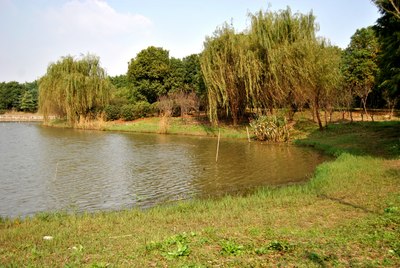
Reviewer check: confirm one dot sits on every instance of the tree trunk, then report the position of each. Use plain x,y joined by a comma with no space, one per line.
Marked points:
391,112
364,103
313,113
292,111
351,116
316,107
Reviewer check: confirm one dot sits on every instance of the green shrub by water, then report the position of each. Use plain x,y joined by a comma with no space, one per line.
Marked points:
140,109
112,112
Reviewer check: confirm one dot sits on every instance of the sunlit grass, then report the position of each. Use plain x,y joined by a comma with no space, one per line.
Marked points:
381,139
177,125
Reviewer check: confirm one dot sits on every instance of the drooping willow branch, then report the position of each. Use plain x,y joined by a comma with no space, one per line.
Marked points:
74,88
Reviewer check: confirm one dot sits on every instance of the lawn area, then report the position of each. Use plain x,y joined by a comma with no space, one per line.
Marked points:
179,126
347,215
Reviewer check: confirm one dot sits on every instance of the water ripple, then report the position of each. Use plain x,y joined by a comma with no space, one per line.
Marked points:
61,169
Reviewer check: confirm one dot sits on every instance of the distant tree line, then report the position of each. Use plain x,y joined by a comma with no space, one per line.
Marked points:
277,64
18,97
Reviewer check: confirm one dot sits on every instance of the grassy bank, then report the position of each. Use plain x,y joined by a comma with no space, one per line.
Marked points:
179,126
348,214
172,125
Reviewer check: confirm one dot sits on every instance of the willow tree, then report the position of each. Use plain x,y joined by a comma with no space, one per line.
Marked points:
322,76
274,64
277,38
230,71
75,88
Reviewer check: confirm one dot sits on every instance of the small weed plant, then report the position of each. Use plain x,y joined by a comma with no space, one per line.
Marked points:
231,248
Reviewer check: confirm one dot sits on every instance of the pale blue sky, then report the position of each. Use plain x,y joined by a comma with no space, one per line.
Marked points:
34,33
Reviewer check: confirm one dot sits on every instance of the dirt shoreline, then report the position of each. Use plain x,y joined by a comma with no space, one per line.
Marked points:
21,118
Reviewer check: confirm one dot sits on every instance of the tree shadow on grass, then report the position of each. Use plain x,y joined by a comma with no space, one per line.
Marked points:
346,203
375,139
378,139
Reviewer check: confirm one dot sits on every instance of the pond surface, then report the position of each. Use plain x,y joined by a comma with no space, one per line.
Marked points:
46,169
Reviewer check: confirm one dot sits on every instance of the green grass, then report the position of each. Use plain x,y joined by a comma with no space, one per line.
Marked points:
347,215
179,126
150,125
379,139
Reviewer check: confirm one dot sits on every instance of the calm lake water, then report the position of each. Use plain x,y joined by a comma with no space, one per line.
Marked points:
46,169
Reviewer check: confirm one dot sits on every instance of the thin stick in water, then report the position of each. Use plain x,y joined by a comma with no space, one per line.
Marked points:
248,134
219,137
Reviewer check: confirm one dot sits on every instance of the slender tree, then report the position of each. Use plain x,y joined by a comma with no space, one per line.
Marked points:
277,38
75,88
230,71
322,77
360,64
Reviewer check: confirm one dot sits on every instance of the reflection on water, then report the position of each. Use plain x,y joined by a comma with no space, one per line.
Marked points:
46,169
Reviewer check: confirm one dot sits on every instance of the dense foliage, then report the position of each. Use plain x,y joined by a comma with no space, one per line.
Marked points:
360,64
75,88
148,73
154,79
18,97
152,73
277,63
388,32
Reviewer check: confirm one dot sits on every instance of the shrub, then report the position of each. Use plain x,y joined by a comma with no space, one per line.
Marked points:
178,103
112,112
131,112
270,128
141,109
127,113
154,108
165,105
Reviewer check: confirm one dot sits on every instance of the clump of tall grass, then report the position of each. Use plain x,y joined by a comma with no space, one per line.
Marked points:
97,123
164,125
270,128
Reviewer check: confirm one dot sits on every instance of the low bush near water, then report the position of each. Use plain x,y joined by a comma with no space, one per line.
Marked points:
112,112
270,128
131,112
